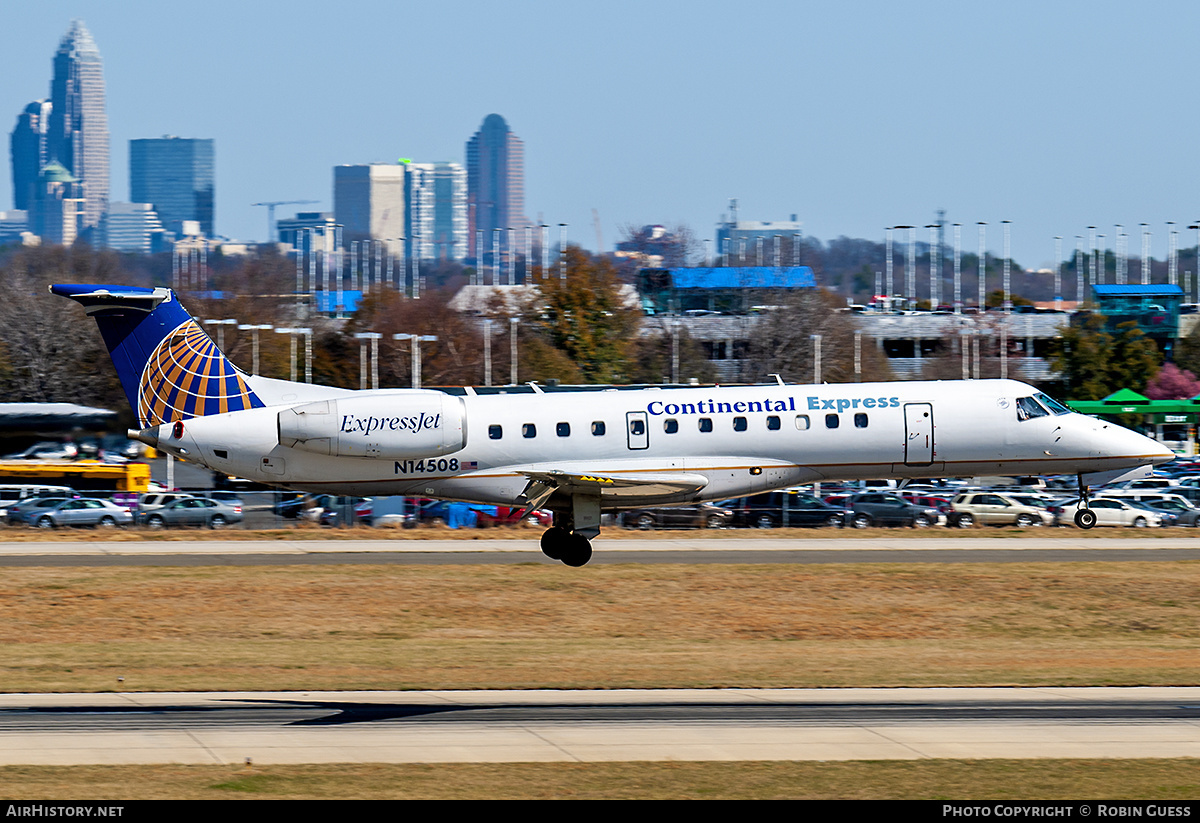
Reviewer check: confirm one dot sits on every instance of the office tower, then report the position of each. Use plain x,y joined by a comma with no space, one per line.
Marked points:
368,201
56,206
437,210
77,136
130,227
449,211
28,145
176,176
495,183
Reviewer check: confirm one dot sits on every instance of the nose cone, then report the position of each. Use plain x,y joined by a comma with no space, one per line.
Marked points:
1146,450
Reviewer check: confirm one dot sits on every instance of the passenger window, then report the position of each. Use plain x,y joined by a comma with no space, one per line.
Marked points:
773,423
528,430
637,427
670,425
832,421
739,424
705,424
562,429
860,421
802,422
495,432
598,428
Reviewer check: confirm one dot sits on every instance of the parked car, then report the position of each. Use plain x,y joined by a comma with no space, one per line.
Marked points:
995,509
1176,510
51,513
887,509
19,513
697,516
156,500
791,507
12,493
46,450
1108,511
193,511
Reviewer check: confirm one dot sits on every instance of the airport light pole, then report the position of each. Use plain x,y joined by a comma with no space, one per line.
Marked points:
307,351
910,277
256,329
221,324
1007,267
487,352
416,340
981,266
935,291
362,338
958,268
816,339
512,348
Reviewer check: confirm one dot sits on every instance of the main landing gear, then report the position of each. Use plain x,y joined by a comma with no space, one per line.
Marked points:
1085,518
572,548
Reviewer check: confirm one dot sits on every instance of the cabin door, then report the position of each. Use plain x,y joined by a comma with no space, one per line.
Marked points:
637,427
918,444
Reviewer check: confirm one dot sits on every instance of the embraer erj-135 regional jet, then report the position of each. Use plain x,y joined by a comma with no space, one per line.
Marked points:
581,453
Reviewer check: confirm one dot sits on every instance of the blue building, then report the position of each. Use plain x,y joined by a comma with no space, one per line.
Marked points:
176,175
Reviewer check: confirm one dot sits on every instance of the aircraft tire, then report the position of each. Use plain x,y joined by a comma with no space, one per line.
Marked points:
554,541
577,551
1085,518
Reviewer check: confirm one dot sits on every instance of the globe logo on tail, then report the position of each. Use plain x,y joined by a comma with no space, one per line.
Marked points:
188,376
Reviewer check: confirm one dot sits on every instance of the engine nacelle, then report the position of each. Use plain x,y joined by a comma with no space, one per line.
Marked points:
403,425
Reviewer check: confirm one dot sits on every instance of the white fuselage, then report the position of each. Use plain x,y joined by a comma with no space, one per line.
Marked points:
741,440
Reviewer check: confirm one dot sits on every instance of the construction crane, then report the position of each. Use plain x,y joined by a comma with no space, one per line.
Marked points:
271,204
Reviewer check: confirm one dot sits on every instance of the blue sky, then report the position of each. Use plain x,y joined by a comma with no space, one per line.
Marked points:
852,115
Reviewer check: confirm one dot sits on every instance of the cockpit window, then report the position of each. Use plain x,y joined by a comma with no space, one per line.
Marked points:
1028,408
1053,405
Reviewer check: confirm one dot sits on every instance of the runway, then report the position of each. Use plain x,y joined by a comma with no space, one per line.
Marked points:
1072,546
593,726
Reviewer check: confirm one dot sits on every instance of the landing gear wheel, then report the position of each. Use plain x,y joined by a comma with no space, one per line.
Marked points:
577,551
1085,518
554,542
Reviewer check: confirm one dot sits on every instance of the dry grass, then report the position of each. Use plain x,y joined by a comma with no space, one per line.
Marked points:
541,626
965,780
526,532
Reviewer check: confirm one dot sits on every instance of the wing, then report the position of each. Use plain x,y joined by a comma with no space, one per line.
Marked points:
612,486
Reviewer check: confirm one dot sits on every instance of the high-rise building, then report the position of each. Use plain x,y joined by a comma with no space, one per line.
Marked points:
176,176
130,227
56,206
369,202
28,145
437,210
495,183
77,136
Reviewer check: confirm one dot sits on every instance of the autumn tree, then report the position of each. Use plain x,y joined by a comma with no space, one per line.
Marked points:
780,342
585,317
1095,363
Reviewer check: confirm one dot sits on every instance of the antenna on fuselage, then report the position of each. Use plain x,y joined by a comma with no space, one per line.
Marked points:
778,379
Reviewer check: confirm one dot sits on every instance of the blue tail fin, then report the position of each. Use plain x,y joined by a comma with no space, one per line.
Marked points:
168,366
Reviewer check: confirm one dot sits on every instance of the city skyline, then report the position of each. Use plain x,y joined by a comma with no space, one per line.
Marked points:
1056,117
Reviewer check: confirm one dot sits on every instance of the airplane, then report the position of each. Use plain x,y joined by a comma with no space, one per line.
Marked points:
581,453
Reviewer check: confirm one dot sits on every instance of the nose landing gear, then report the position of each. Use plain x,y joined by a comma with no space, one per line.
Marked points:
1085,518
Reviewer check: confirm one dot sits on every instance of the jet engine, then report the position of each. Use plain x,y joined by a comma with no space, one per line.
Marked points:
399,426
